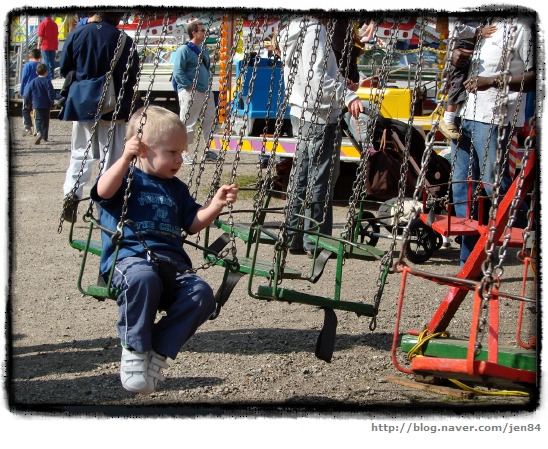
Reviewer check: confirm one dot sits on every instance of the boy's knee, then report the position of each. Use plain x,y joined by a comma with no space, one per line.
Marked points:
204,295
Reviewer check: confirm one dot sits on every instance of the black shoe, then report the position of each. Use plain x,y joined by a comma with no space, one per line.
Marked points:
297,251
70,207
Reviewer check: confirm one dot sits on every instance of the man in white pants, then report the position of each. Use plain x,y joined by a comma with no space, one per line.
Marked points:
185,63
86,55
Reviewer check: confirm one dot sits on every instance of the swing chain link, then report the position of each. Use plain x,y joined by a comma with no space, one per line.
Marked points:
72,194
404,167
282,242
127,193
374,110
430,139
215,123
530,143
199,129
491,273
282,108
314,121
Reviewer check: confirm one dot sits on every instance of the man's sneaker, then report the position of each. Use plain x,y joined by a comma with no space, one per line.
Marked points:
451,131
187,159
27,131
38,139
211,157
156,363
134,372
70,207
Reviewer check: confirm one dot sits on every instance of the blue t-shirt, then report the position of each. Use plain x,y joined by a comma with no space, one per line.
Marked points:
159,208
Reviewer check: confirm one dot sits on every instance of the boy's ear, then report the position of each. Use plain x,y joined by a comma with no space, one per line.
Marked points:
143,151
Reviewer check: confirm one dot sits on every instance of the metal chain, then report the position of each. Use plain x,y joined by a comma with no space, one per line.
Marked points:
229,123
490,277
373,111
201,168
119,229
72,193
272,63
530,143
294,62
280,116
296,168
201,114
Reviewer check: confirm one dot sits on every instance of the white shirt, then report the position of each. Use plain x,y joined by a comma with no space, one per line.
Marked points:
491,64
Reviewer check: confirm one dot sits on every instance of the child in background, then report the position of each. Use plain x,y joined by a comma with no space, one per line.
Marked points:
27,75
159,208
40,94
466,35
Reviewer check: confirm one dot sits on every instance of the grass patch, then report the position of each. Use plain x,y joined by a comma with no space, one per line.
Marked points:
246,183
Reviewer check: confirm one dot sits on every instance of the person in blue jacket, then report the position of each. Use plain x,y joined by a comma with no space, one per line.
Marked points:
27,75
185,63
88,52
41,95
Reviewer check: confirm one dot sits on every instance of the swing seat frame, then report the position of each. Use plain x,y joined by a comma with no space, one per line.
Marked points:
491,371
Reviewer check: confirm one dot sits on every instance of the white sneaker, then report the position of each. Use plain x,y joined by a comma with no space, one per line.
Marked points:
156,363
134,372
38,139
27,131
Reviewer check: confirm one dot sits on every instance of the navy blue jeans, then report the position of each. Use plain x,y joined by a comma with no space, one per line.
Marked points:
42,122
138,303
49,61
481,144
318,171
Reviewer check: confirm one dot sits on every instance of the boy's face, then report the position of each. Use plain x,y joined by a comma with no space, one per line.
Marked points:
164,158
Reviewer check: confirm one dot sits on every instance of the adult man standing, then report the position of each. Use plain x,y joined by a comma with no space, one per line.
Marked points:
480,132
319,135
48,42
87,54
185,65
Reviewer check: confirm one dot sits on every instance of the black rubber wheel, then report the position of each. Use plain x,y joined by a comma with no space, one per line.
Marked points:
422,242
439,240
367,228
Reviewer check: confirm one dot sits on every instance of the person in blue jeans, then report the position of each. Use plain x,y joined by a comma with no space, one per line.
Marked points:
159,208
318,133
27,75
40,94
480,137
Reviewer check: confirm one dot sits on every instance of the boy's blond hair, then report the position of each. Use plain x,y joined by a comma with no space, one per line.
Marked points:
158,121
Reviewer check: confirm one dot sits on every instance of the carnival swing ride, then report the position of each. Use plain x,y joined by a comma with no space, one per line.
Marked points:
254,242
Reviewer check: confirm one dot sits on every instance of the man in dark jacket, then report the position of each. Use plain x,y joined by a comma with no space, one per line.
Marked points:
86,55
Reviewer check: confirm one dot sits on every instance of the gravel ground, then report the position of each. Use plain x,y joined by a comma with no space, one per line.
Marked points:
256,359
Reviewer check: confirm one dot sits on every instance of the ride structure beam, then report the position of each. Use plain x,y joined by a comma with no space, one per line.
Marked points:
472,268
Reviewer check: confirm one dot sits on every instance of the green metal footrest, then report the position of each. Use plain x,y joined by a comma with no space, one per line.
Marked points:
243,232
452,348
95,246
262,268
362,252
284,294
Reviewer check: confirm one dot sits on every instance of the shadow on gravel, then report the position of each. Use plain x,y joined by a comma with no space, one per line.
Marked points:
279,341
84,356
